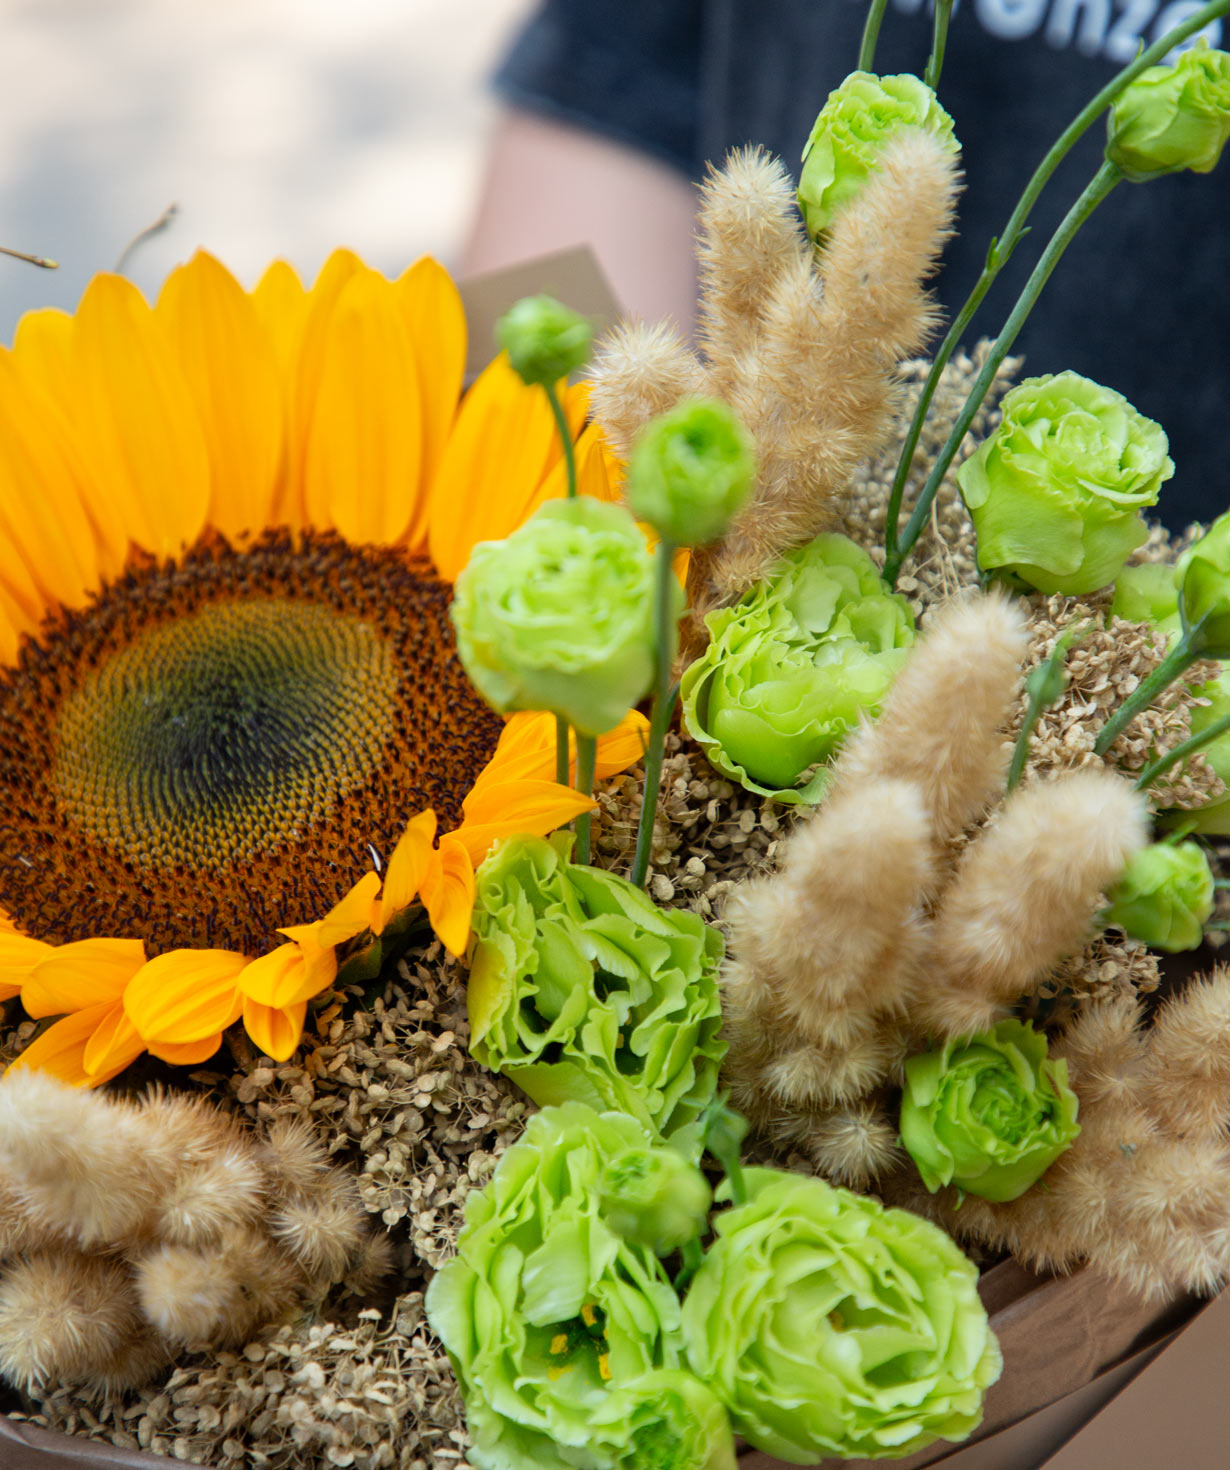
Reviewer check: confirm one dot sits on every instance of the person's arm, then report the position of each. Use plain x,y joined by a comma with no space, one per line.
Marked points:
549,185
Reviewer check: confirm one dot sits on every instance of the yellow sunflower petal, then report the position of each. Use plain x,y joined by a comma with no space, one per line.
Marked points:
287,976
43,342
113,1045
12,625
495,461
185,995
60,1050
190,1054
532,807
233,378
431,305
351,914
448,894
361,470
281,305
75,976
306,370
403,878
19,957
526,752
47,541
275,1030
140,430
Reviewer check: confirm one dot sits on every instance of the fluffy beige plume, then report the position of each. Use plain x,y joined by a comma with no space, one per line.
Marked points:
940,725
293,1155
750,233
639,371
855,1146
1187,1079
323,1230
202,1201
1025,895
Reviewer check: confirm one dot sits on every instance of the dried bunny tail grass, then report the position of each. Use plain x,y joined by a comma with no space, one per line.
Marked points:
939,725
1105,1052
833,937
639,370
77,1160
374,1261
749,233
322,1230
226,1189
293,1155
810,1077
855,1146
1187,1075
219,1295
1025,894
69,1318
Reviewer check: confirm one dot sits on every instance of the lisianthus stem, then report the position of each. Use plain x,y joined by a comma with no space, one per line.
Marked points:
587,756
1016,767
561,423
871,34
666,635
693,1254
1190,746
562,761
1097,189
939,39
997,257
1180,657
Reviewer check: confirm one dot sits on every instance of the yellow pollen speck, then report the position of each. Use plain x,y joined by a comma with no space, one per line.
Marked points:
555,1374
604,1365
559,1343
588,1315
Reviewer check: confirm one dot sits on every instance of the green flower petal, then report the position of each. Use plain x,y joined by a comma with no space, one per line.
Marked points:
1172,117
1164,896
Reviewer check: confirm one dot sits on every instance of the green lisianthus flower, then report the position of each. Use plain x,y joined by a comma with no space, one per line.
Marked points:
1204,589
792,667
656,1197
829,1325
559,616
1055,493
545,1311
1149,593
582,988
674,1422
545,340
1164,896
691,471
989,1114
1172,117
849,135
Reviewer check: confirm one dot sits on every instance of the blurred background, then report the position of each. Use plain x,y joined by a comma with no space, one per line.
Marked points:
279,127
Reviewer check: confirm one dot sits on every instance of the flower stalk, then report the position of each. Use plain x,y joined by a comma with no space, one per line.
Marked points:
939,40
897,547
1185,652
587,755
1191,746
666,638
565,437
871,34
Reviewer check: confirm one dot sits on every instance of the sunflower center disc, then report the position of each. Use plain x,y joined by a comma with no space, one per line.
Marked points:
214,747
214,737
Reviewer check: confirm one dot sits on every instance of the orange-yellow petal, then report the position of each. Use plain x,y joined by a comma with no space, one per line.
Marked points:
19,957
351,914
448,894
288,975
73,977
113,1045
185,995
504,443
190,1054
526,751
43,343
431,305
60,1050
364,447
403,878
140,432
232,375
275,1030
281,305
532,807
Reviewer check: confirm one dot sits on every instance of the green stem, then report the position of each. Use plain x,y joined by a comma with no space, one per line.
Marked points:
1020,750
1001,250
693,1254
666,635
939,39
1179,658
1190,746
562,761
587,757
871,34
561,423
1097,189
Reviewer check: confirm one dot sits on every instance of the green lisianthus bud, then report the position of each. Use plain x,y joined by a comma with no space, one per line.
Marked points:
829,1325
1164,896
691,471
989,1114
1204,590
794,665
545,340
559,616
655,1197
848,136
1056,491
1172,117
1214,817
673,1422
1149,593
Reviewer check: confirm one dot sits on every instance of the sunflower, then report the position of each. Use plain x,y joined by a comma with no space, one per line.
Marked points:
234,732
